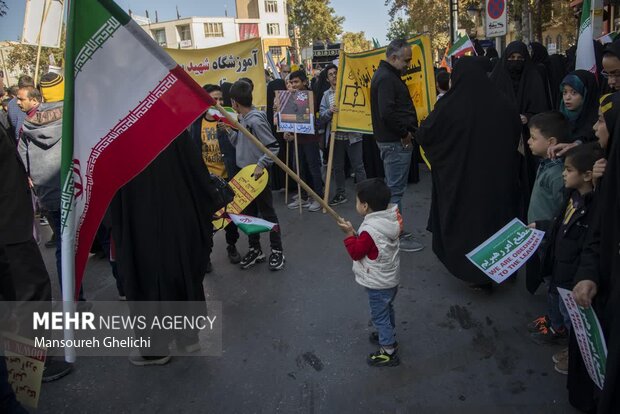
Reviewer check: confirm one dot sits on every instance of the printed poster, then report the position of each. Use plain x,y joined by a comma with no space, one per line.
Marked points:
24,363
295,111
589,335
507,250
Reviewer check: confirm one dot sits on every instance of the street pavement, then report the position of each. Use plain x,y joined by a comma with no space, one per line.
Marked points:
296,341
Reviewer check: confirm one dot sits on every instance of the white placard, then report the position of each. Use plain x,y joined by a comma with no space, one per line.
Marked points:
52,25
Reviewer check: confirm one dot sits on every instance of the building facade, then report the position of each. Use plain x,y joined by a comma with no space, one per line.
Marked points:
255,18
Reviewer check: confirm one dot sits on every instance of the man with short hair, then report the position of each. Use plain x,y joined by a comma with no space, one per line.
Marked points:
394,120
285,70
16,115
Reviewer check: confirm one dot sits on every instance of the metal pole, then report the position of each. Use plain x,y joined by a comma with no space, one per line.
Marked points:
454,20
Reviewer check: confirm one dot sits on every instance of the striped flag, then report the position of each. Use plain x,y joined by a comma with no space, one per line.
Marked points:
586,59
252,225
125,102
218,116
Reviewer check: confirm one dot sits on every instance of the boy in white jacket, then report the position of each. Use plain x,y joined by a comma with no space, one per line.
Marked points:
376,263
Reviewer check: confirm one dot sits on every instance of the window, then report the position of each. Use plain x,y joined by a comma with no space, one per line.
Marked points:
184,33
548,41
271,6
559,44
273,29
160,36
276,52
214,30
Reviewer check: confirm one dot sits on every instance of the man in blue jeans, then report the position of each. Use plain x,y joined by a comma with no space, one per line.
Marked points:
394,120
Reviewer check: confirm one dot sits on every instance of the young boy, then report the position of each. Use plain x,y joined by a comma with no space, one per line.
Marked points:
376,263
547,129
247,153
218,155
566,236
309,152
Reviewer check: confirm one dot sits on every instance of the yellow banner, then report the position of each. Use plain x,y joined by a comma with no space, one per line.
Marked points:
226,63
355,74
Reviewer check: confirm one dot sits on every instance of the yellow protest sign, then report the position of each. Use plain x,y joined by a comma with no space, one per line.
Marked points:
226,63
355,74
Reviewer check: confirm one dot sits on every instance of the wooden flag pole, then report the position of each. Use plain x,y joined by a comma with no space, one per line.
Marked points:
46,8
297,168
286,175
332,142
279,163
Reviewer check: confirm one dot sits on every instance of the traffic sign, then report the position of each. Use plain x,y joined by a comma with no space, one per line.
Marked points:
496,22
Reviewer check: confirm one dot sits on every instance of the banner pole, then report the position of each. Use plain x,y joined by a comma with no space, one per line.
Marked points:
286,175
297,168
279,163
46,8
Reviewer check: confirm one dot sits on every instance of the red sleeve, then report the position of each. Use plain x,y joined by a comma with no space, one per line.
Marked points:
361,246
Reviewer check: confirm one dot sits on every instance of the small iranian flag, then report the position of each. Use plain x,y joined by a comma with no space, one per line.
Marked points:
252,225
217,115
125,101
459,49
586,59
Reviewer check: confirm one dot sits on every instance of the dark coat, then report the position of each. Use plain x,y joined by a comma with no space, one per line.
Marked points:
565,243
16,217
393,113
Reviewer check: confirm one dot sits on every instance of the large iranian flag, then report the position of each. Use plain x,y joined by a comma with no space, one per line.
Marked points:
126,100
586,59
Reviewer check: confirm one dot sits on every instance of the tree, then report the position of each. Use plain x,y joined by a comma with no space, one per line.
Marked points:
315,19
22,58
355,42
3,8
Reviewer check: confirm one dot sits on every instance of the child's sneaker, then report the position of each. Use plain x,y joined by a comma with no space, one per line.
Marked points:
538,324
550,336
276,260
315,206
382,358
251,258
295,204
338,199
233,254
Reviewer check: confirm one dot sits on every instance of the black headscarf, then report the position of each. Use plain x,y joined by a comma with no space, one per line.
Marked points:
226,93
557,68
540,59
581,127
571,58
491,52
457,143
521,81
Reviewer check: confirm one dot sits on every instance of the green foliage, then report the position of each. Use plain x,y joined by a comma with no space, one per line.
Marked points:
315,19
355,42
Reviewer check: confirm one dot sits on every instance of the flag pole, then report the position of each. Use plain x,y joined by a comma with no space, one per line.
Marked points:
67,217
279,163
297,168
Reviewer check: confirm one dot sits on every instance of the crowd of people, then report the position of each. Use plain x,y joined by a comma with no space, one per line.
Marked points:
517,136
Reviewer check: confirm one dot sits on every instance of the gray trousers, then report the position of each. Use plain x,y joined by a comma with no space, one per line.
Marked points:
343,147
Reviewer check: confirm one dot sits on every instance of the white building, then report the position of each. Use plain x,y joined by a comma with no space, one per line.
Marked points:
255,18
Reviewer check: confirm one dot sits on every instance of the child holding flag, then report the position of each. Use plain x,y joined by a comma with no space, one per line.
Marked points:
376,263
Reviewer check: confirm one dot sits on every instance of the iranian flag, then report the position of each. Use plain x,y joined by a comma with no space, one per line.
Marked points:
459,49
585,45
126,100
218,116
252,225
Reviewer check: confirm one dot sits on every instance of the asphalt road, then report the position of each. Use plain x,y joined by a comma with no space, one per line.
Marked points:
295,341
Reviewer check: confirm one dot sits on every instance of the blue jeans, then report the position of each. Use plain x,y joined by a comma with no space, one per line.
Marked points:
382,313
558,314
396,163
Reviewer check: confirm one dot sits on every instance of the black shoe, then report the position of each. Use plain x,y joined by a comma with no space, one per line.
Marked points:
374,339
55,369
51,242
233,254
339,199
382,359
209,267
254,256
276,260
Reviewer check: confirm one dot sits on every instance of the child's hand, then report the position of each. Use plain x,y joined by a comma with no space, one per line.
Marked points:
346,227
288,136
258,172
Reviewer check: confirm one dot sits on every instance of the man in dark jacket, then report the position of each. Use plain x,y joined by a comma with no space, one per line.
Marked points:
394,120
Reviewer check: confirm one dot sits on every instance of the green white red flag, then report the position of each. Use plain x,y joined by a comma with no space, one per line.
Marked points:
252,225
126,100
459,49
586,59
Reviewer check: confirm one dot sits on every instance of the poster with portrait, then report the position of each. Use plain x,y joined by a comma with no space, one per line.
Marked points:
295,111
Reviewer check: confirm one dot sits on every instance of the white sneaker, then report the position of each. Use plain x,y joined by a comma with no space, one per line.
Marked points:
295,204
315,206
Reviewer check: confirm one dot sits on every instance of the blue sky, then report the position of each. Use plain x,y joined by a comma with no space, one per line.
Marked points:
367,15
